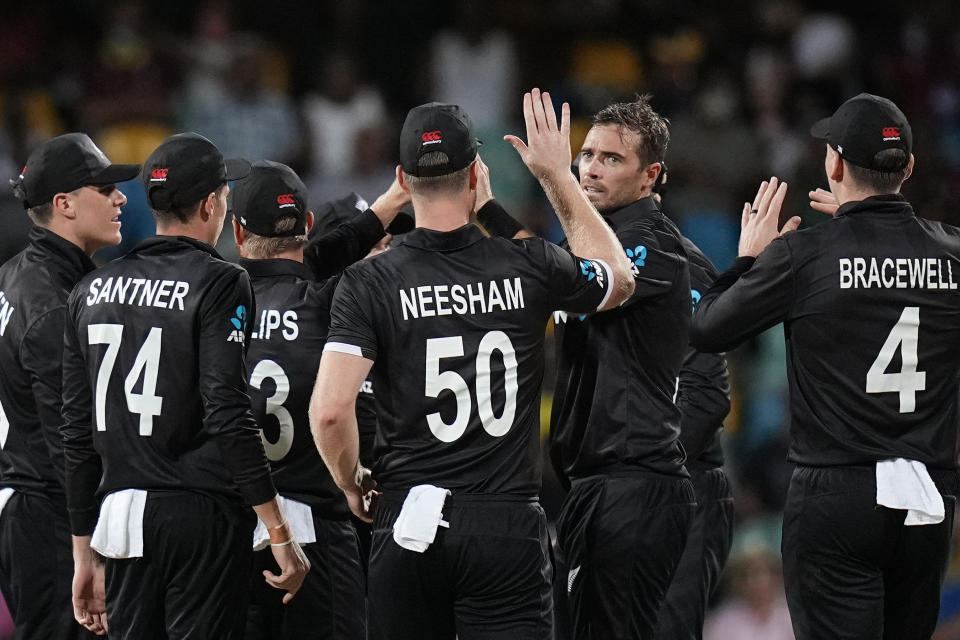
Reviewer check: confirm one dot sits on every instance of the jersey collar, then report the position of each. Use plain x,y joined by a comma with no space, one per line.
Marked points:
624,215
49,245
889,203
431,240
170,242
275,267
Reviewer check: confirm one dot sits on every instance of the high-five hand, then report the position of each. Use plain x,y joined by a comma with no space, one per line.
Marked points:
547,150
758,223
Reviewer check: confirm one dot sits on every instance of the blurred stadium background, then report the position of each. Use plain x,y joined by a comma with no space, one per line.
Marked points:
323,86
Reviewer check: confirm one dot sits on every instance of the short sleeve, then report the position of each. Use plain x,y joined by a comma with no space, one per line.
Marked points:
579,285
351,318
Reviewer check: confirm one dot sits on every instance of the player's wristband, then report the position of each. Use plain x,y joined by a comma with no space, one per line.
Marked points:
282,544
497,221
280,534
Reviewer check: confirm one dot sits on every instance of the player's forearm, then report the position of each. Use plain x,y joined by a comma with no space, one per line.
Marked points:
587,233
336,435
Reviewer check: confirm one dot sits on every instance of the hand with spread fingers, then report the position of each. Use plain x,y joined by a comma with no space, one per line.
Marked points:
547,150
823,201
758,223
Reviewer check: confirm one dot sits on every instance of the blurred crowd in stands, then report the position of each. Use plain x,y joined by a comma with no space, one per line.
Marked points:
324,85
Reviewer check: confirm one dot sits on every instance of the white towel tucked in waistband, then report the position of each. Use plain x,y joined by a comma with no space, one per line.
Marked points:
300,518
421,514
906,484
5,494
119,532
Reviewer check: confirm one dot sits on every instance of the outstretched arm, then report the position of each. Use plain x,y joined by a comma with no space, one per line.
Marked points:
547,155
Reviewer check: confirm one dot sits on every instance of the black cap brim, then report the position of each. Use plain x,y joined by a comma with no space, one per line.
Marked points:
116,173
236,168
821,129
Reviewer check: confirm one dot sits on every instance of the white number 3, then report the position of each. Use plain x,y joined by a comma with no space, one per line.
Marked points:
905,334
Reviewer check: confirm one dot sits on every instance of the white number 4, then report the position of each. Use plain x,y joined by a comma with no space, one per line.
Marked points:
905,334
147,362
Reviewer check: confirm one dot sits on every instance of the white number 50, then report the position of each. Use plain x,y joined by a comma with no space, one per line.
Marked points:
437,381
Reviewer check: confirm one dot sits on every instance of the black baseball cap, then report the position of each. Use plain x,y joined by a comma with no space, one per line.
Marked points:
863,126
184,169
437,127
270,193
66,163
333,213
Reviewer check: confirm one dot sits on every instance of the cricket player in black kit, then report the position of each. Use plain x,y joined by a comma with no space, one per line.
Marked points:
452,323
615,427
157,423
619,164
271,222
68,189
871,308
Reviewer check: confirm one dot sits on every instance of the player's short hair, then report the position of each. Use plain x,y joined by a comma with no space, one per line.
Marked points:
261,247
890,173
433,185
41,214
182,214
640,118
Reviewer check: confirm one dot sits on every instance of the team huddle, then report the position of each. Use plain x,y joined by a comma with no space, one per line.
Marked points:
338,437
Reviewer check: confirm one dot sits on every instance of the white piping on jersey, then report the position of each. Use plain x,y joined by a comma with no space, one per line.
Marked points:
341,347
609,272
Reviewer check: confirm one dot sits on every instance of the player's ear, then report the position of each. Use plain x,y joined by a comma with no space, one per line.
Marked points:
309,221
835,169
473,175
63,206
909,169
400,181
238,232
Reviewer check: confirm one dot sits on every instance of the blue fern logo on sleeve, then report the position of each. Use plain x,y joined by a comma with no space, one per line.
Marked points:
695,296
587,269
238,322
637,255
241,318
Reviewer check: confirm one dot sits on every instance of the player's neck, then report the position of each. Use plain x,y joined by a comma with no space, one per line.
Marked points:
196,229
852,193
66,231
441,214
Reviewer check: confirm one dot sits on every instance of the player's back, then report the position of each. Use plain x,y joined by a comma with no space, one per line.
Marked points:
153,328
455,323
289,330
873,337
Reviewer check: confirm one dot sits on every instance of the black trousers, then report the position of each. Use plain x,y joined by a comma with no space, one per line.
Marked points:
329,606
487,577
36,568
193,581
708,545
852,570
620,539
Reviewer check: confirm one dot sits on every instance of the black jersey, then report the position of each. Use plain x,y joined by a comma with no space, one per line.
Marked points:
34,286
871,314
367,421
154,379
617,370
330,251
455,324
293,315
703,395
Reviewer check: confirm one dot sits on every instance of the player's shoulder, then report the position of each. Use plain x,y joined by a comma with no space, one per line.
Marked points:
946,234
